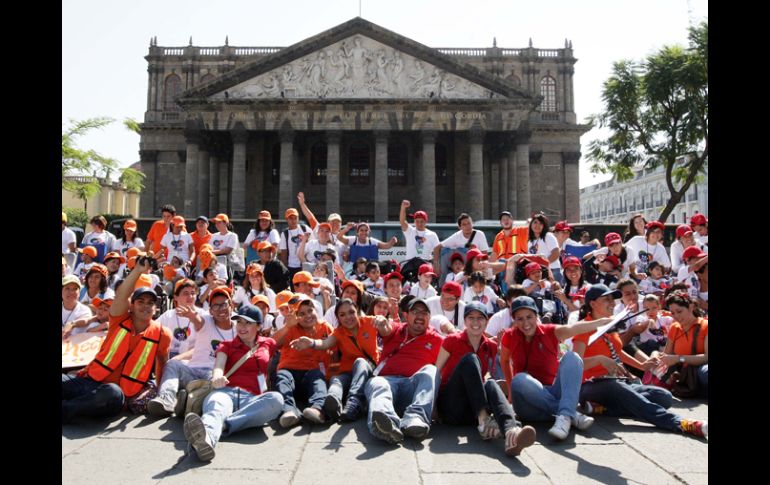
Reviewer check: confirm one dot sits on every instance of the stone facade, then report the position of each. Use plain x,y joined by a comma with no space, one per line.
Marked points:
359,118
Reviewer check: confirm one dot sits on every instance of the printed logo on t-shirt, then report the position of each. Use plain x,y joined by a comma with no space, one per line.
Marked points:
95,240
644,261
217,243
483,299
420,240
262,236
177,244
533,247
214,344
296,239
181,334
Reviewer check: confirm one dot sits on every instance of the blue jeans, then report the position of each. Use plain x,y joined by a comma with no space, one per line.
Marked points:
353,382
176,375
535,402
703,380
308,383
231,409
645,403
411,396
83,396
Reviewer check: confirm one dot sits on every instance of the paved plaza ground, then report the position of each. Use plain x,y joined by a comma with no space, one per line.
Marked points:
135,449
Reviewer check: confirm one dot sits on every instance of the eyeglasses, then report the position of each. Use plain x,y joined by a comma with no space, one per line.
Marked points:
419,312
219,306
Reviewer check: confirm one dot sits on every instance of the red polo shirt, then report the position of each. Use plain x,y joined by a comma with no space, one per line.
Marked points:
599,347
538,357
246,377
457,344
410,357
365,338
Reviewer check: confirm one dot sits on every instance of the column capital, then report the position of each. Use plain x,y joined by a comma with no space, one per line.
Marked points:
522,137
333,136
535,156
193,136
428,136
148,156
475,135
381,136
239,134
570,157
286,135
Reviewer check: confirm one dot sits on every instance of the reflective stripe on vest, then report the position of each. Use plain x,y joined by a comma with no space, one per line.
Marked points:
111,354
138,366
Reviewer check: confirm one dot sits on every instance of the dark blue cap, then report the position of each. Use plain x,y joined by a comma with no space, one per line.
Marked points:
523,302
250,313
475,306
143,291
598,291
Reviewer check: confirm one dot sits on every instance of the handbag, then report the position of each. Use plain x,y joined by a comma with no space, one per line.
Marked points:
686,384
198,389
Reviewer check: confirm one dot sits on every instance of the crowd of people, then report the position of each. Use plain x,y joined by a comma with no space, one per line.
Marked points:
306,324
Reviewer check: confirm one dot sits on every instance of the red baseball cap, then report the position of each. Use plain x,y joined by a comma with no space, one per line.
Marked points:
393,274
655,225
683,230
562,226
614,260
475,253
453,288
698,220
456,256
612,238
420,215
571,261
531,268
426,269
692,252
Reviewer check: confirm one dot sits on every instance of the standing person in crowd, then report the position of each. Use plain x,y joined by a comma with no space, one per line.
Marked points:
465,396
401,394
75,316
362,245
135,346
356,339
685,238
419,240
424,288
200,236
649,248
96,285
180,319
68,239
622,397
160,228
466,237
700,224
263,230
290,241
311,250
224,241
510,240
254,284
178,242
542,385
636,227
240,400
99,236
210,331
448,304
130,238
302,374
275,273
544,244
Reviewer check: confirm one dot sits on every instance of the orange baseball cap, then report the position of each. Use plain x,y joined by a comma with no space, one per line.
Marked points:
89,250
305,277
100,268
265,245
207,247
254,268
184,282
260,299
282,298
359,285
291,212
221,290
131,252
297,300
97,302
130,224
326,225
221,218
144,281
265,215
169,272
206,257
114,255
178,221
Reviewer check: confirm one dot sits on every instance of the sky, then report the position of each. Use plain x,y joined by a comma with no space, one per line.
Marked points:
104,72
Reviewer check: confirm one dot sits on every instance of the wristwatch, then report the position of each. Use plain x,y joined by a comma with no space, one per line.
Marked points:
681,359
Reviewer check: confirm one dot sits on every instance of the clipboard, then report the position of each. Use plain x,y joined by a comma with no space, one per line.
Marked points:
619,318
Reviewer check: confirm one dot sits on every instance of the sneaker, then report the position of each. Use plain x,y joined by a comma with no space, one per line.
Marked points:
160,408
523,437
384,425
582,422
196,435
695,428
314,415
288,419
560,428
593,408
489,429
416,429
332,407
352,409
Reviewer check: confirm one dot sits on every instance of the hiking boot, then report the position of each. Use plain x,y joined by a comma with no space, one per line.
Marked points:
352,409
523,437
181,403
332,407
582,422
314,415
560,428
196,435
288,419
384,425
160,408
695,427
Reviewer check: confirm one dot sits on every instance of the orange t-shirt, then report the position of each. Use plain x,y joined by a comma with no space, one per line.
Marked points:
683,341
599,347
306,359
366,337
199,241
163,347
506,246
157,231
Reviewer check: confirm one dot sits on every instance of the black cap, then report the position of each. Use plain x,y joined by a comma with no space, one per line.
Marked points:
202,218
418,301
504,213
143,291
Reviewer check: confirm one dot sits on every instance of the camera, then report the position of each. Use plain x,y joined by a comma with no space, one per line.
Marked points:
153,262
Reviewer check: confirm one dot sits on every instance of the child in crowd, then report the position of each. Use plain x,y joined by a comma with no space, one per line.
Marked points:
87,256
457,263
478,290
655,283
424,289
534,284
374,283
653,338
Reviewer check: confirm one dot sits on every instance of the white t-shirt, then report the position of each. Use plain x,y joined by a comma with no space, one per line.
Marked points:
67,237
177,245
420,244
538,292
221,241
499,321
109,294
650,285
545,247
657,331
703,241
417,291
242,296
122,246
631,258
182,330
434,304
457,240
80,311
486,298
279,321
81,269
207,340
314,245
375,287
272,237
646,253
453,276
632,321
294,240
105,237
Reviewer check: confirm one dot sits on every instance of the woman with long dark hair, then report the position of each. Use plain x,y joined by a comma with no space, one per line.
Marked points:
543,243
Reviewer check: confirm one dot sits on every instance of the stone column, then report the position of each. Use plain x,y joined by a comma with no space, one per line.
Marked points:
332,171
503,185
524,205
494,178
192,137
511,185
286,190
427,182
476,173
148,162
380,175
239,136
203,181
571,186
224,187
213,186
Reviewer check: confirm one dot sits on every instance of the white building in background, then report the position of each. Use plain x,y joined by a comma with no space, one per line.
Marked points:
646,193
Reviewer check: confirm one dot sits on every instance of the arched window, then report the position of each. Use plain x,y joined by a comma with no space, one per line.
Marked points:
275,174
206,78
514,79
442,167
171,89
358,162
318,163
397,161
548,91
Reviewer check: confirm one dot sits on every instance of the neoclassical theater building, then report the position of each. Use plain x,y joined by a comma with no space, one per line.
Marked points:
359,118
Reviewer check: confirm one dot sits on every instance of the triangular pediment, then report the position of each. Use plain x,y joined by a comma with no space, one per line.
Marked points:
356,60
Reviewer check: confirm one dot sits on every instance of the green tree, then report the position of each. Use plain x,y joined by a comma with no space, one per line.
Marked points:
657,114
